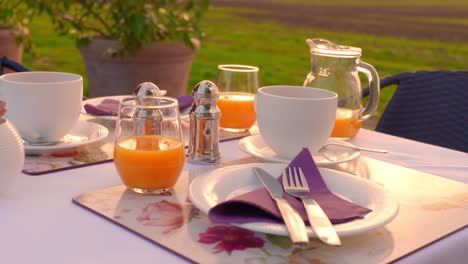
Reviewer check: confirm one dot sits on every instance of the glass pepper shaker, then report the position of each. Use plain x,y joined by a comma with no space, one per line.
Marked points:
204,124
147,121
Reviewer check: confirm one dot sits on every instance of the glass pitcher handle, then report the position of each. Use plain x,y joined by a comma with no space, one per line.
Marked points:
374,89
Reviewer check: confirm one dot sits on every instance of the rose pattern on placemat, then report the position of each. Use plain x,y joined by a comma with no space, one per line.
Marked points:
71,153
90,155
164,214
459,200
68,159
310,254
40,166
230,238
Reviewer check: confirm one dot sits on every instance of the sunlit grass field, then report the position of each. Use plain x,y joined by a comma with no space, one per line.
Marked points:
278,49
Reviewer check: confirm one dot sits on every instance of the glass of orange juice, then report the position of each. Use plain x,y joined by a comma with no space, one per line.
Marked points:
149,151
238,85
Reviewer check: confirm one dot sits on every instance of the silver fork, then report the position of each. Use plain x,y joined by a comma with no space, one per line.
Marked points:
295,184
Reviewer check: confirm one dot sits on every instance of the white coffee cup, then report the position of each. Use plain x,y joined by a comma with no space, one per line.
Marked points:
43,106
290,118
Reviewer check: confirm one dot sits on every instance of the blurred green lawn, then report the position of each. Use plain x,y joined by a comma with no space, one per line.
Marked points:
279,50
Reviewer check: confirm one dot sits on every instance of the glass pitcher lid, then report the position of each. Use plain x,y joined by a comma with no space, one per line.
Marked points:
325,47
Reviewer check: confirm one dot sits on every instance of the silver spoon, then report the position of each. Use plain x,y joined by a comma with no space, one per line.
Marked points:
357,148
40,144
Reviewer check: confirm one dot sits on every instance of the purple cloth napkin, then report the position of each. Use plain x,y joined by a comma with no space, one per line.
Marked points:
109,107
258,206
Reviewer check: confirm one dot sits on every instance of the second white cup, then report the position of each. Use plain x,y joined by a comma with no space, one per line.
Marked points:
292,117
44,106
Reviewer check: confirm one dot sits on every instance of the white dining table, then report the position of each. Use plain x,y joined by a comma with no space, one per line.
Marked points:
40,224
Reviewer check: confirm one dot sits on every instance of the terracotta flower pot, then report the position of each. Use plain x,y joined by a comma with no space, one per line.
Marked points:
8,46
165,64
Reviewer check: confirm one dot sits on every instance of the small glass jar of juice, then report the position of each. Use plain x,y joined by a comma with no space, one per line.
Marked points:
149,151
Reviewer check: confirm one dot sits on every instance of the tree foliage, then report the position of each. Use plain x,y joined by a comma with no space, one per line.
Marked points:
132,23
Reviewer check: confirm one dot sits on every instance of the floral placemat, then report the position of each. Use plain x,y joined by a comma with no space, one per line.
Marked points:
70,159
430,208
96,153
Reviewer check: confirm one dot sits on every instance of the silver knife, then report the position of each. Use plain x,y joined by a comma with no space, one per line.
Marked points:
294,223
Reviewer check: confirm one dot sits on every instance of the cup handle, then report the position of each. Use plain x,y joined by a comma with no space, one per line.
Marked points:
374,89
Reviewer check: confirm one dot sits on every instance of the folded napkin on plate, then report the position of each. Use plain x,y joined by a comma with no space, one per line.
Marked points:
109,107
258,206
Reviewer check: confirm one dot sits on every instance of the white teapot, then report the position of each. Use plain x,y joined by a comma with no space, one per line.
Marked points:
11,154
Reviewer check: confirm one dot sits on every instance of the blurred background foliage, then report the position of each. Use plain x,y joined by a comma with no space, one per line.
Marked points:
394,35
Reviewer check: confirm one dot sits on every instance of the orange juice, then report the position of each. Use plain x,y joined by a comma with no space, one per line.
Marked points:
347,124
237,110
149,162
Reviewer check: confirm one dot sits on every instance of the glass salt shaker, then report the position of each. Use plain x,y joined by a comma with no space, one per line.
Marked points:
147,121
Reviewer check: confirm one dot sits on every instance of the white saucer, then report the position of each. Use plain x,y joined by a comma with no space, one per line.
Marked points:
83,133
255,145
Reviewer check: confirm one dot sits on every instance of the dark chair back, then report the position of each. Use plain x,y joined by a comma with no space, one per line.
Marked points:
428,106
10,64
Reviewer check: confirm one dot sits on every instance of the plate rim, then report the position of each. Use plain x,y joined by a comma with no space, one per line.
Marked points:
390,204
103,133
284,160
101,98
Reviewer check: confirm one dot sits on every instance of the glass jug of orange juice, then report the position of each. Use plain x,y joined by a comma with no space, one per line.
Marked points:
335,68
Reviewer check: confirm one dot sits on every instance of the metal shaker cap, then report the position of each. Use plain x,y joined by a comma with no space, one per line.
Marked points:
145,90
205,92
147,121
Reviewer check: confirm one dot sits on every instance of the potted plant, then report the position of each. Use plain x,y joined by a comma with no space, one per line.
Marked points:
14,34
125,43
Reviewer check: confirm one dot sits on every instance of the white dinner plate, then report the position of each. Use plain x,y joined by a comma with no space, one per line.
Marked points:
255,145
222,184
83,133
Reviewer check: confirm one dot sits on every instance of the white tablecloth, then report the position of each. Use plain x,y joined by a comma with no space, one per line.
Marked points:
39,223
